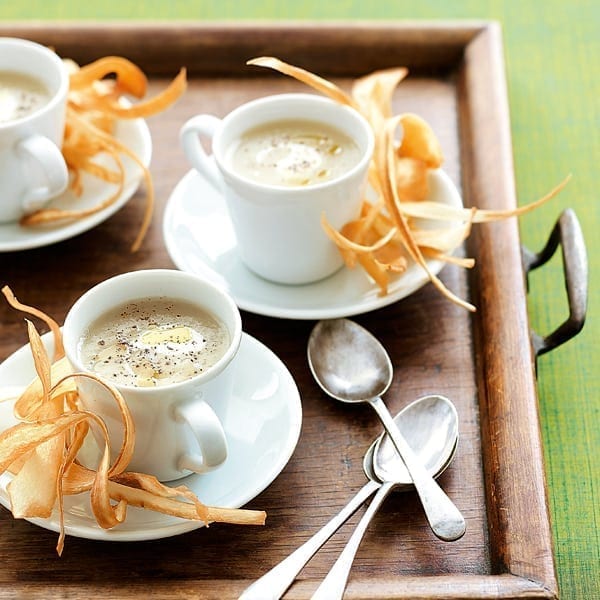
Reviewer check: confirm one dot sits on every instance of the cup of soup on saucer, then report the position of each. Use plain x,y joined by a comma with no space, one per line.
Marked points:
283,163
34,84
167,341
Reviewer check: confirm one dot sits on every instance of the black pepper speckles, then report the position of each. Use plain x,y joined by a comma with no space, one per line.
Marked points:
293,152
153,342
20,95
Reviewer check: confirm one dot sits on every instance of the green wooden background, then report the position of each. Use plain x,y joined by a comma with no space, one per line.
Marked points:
553,59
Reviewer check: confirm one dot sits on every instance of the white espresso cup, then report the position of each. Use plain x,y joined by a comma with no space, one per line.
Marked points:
278,228
178,429
32,168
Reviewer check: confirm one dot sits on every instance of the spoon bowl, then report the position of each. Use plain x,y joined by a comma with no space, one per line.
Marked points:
381,462
404,485
430,426
347,362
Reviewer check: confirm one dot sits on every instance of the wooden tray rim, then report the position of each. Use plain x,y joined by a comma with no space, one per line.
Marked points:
522,572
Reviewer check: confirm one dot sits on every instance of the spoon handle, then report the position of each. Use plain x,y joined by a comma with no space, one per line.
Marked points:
273,584
334,584
444,518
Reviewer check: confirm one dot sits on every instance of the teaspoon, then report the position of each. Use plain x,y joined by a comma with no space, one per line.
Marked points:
382,463
419,426
352,366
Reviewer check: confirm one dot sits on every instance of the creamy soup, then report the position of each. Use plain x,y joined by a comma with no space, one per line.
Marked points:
20,95
153,342
293,153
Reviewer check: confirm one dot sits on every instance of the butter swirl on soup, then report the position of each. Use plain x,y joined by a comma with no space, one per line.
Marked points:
153,342
293,153
20,95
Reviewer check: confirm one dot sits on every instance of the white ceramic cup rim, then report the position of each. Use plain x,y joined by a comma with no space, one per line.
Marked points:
219,148
58,95
71,339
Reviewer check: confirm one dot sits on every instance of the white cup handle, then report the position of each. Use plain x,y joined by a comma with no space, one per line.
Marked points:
209,434
54,168
189,136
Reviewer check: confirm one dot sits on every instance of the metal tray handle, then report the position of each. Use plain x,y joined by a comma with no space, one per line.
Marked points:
566,232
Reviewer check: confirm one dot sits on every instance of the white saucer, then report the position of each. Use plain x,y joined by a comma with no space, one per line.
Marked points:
136,136
200,239
263,427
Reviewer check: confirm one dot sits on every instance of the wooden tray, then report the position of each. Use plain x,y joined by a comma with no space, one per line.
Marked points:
484,362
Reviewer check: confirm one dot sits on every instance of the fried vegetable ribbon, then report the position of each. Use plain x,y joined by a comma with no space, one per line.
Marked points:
395,229
94,106
41,451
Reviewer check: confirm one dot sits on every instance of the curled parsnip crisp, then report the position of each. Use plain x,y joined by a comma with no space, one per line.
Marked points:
94,105
41,452
373,94
320,84
129,78
59,351
406,150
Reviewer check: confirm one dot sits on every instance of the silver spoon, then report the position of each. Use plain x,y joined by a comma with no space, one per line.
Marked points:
434,456
383,464
351,365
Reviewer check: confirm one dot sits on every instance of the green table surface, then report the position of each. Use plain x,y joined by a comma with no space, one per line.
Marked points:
552,59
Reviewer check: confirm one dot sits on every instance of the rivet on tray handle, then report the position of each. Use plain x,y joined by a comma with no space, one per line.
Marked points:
567,232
